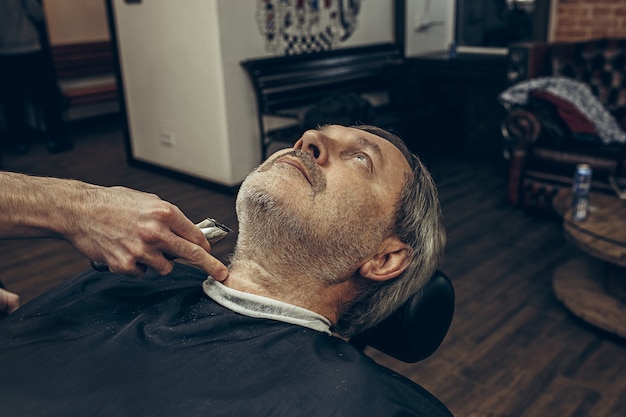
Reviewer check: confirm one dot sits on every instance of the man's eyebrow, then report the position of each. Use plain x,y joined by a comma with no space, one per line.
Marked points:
373,146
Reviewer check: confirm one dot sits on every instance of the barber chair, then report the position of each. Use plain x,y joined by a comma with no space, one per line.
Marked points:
418,327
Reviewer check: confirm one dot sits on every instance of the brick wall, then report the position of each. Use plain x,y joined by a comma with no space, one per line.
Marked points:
589,19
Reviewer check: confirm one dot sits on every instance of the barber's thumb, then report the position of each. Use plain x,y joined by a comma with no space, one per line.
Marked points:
9,302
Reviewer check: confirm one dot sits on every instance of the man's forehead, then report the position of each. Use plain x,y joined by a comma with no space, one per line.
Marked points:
393,139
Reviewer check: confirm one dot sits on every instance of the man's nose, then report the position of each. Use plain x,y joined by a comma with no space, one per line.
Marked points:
316,144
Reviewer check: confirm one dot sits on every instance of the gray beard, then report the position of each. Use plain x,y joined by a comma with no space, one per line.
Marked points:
325,250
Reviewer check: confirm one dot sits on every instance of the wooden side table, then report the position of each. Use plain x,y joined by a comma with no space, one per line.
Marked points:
593,286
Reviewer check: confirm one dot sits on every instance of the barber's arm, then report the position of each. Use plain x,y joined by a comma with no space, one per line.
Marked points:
124,228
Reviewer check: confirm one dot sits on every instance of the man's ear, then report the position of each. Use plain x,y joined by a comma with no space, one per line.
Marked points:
390,260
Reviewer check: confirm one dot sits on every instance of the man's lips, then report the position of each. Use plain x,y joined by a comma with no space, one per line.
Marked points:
298,165
304,163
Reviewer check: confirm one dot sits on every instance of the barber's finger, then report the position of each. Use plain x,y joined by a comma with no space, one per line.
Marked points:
130,267
191,245
199,256
184,228
9,302
213,266
161,264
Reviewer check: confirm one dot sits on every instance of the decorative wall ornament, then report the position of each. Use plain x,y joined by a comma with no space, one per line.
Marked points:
293,27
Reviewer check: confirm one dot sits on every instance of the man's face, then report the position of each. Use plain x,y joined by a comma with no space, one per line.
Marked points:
331,198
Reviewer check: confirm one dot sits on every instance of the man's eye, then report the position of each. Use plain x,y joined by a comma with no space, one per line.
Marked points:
363,159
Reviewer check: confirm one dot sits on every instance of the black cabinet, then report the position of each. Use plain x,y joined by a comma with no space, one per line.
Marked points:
458,111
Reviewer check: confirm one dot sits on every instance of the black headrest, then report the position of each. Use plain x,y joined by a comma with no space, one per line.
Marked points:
418,327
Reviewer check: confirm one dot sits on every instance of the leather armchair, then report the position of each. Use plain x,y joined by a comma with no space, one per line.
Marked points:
545,137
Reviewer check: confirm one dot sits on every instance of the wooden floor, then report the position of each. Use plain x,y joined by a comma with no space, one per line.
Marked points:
512,349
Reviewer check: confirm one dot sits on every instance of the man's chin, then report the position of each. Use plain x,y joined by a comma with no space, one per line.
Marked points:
261,196
281,183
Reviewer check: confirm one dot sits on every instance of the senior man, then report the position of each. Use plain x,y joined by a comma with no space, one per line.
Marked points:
334,235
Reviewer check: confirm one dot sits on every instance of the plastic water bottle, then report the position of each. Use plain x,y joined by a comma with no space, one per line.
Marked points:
580,192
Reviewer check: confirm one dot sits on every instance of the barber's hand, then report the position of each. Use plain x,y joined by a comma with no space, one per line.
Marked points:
130,230
9,302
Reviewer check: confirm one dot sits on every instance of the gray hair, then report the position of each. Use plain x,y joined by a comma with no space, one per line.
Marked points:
419,224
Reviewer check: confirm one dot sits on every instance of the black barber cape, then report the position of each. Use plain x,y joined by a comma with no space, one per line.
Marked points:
106,345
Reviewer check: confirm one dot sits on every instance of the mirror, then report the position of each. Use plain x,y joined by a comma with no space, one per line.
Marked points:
500,23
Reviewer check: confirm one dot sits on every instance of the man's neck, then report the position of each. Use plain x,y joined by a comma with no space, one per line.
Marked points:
301,291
